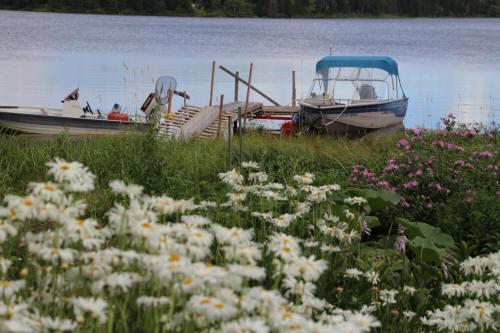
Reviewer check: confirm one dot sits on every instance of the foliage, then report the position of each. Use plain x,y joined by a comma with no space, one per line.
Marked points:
448,178
266,257
268,8
188,169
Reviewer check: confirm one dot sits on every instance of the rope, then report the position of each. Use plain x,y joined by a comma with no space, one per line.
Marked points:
340,115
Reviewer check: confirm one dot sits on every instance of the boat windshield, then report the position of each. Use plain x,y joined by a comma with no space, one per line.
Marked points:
355,85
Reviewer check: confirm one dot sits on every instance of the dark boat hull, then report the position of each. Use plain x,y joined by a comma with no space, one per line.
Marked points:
51,125
355,119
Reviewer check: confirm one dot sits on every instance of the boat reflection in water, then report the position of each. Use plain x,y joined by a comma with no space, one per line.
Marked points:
353,95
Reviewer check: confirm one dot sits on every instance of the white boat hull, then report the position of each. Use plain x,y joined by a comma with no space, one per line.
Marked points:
355,118
53,125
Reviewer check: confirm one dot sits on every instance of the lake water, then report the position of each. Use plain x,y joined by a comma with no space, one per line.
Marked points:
446,65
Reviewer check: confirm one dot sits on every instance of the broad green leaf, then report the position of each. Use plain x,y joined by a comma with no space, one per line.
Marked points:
424,230
378,199
426,250
372,221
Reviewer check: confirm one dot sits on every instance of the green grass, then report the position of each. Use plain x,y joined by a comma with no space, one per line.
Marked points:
189,169
184,169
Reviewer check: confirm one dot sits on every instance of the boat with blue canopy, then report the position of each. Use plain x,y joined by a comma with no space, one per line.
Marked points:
353,95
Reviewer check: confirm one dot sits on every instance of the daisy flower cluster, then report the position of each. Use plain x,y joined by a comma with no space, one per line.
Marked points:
475,302
272,258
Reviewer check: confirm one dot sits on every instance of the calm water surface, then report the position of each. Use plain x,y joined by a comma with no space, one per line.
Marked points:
446,65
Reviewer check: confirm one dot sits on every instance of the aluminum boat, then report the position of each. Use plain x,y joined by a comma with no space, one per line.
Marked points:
353,95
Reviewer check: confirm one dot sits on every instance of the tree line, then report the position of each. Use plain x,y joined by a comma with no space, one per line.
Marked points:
267,8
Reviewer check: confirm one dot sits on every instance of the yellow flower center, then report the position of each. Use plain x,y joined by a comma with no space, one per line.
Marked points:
173,257
198,234
49,188
286,249
295,326
80,222
146,225
9,314
205,301
481,312
27,202
187,282
219,306
64,167
54,251
4,284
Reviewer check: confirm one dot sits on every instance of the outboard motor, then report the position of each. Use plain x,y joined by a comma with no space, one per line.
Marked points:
150,104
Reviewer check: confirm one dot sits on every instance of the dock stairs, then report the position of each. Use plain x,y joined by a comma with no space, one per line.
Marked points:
191,121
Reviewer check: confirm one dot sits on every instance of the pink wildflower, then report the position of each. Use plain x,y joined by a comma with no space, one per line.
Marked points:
410,184
405,203
485,154
415,131
469,133
401,239
403,143
438,143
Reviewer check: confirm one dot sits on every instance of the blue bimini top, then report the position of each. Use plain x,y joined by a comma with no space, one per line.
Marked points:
385,63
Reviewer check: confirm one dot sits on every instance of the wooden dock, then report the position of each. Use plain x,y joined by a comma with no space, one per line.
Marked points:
191,121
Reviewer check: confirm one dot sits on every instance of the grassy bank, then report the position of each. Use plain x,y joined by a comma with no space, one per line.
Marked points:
315,235
462,199
184,169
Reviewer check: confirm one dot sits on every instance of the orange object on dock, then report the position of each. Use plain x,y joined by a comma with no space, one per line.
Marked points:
118,116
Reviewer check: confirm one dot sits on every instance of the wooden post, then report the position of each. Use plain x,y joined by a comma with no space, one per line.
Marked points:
294,94
185,98
229,153
248,92
221,108
240,133
236,88
212,83
169,110
253,88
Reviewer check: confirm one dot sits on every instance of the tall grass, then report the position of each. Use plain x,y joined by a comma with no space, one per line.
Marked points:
188,169
184,168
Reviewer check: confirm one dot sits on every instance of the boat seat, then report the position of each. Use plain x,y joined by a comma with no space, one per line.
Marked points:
367,101
72,109
319,100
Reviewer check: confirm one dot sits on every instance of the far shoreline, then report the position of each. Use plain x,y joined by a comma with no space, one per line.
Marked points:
217,15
